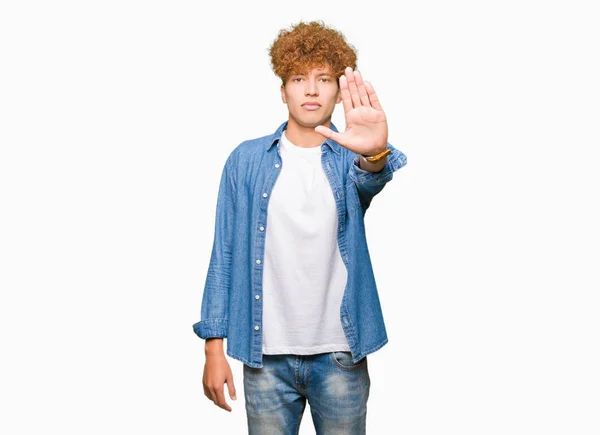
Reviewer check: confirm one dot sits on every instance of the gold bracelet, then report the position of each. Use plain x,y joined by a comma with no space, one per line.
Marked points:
377,157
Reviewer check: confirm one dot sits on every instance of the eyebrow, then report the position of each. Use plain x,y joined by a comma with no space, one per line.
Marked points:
318,75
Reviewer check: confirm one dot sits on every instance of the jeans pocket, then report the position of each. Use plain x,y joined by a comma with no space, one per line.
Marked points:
343,359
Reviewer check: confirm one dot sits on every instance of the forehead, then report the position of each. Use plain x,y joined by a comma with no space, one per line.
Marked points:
315,70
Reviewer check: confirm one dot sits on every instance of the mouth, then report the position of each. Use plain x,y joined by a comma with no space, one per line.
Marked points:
311,106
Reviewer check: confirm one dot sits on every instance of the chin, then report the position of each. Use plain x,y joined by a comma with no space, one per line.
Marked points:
311,122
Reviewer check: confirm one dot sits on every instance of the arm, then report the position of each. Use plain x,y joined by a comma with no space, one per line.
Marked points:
215,300
366,133
370,183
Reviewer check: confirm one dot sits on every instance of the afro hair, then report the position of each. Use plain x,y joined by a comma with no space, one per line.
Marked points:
310,45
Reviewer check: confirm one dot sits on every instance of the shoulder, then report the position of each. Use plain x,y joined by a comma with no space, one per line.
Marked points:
250,149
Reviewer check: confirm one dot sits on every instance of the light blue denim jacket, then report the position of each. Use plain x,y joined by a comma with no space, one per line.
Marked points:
232,299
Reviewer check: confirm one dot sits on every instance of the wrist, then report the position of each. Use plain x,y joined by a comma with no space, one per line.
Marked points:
213,345
372,167
377,156
376,151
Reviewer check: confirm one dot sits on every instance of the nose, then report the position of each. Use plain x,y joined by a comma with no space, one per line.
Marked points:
311,88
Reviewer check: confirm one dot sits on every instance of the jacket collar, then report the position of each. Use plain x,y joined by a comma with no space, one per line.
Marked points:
275,137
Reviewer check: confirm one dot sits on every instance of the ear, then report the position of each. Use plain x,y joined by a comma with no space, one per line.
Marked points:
283,94
339,96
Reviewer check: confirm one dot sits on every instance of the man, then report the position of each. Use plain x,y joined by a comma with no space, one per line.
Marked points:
290,282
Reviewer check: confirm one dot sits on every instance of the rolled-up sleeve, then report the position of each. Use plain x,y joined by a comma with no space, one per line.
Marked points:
369,184
215,299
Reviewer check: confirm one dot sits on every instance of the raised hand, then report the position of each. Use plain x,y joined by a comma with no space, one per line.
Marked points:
366,125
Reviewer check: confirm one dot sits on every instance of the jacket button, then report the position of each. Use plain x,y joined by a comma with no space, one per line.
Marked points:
262,228
276,165
264,195
256,328
257,261
257,297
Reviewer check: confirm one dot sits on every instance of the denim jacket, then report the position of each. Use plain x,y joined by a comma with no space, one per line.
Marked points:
232,299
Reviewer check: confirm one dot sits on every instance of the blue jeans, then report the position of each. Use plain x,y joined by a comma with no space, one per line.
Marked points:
336,389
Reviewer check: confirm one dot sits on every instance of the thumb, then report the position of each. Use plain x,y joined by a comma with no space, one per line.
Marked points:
330,134
231,387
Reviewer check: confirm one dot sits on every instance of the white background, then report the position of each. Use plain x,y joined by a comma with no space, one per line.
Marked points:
116,118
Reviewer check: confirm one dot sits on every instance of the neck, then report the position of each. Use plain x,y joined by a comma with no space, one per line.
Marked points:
305,137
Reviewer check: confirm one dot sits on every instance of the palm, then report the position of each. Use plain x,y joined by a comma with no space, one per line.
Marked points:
366,124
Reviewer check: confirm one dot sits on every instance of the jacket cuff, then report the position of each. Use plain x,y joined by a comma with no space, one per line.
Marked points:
395,161
211,328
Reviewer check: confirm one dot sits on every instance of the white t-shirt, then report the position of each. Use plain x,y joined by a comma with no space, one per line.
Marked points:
304,275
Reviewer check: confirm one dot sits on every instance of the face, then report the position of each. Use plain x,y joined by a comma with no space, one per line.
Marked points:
317,86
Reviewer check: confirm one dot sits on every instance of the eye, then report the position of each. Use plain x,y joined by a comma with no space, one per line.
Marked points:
297,78
326,80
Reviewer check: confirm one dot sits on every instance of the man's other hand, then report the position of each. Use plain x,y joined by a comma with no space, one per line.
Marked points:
217,372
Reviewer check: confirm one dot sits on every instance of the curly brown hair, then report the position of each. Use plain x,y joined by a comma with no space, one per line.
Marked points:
310,45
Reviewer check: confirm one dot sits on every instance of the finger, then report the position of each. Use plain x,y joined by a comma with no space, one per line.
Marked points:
231,387
346,99
324,131
330,134
352,86
362,91
373,96
220,396
207,393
